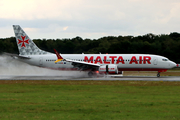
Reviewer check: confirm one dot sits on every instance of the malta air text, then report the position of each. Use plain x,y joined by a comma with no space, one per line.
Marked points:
117,60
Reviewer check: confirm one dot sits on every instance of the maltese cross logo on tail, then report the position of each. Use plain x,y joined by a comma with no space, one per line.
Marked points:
23,41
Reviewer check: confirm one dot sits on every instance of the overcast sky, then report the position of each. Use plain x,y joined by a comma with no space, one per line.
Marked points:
52,19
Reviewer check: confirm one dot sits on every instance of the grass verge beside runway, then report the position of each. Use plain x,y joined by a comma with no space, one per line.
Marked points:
89,100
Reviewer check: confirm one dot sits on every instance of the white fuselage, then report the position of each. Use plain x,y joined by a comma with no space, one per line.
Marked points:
124,62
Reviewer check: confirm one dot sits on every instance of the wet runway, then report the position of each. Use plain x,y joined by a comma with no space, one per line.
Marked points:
121,78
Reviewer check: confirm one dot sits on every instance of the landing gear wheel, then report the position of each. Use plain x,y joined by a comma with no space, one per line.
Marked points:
158,75
90,74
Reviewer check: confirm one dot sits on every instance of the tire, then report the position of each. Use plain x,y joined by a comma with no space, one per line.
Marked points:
158,75
90,74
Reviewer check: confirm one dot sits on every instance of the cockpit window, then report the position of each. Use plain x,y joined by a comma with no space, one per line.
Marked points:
164,59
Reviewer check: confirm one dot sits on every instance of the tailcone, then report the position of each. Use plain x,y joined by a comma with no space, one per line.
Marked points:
173,64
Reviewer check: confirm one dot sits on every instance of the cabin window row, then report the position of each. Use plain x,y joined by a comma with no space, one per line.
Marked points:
50,60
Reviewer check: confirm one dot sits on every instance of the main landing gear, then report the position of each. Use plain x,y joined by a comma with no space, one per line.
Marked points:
90,74
158,74
93,74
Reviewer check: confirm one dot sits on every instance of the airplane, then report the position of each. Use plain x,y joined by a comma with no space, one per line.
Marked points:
93,63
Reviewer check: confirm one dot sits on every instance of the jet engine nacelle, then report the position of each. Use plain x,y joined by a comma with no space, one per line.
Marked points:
110,69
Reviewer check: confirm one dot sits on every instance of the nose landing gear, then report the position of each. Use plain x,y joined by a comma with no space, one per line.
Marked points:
158,74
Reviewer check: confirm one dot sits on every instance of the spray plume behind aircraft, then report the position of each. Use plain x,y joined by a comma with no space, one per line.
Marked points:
11,66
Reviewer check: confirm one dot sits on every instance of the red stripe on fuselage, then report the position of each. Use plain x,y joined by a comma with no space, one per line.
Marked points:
119,69
142,69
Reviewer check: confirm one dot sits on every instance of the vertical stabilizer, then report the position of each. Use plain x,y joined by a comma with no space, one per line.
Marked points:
25,45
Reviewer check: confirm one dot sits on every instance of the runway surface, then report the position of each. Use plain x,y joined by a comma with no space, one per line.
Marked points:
121,78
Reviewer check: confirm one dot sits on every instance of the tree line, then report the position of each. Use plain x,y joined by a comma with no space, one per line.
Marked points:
167,45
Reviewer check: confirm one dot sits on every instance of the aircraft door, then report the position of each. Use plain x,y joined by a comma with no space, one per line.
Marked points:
155,61
40,61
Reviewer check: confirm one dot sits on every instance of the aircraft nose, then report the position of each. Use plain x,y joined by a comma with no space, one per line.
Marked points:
173,64
177,65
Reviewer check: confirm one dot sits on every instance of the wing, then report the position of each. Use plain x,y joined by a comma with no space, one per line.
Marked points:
80,64
84,65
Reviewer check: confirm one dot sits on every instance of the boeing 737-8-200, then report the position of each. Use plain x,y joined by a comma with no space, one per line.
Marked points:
101,63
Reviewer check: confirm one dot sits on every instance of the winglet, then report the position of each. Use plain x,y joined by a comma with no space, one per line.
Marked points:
58,56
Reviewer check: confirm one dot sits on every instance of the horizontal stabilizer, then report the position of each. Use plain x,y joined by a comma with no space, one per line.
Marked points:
15,55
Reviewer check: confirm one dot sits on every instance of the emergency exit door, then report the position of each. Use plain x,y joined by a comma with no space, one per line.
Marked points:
40,61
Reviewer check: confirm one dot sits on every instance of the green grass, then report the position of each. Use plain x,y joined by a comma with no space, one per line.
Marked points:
89,100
